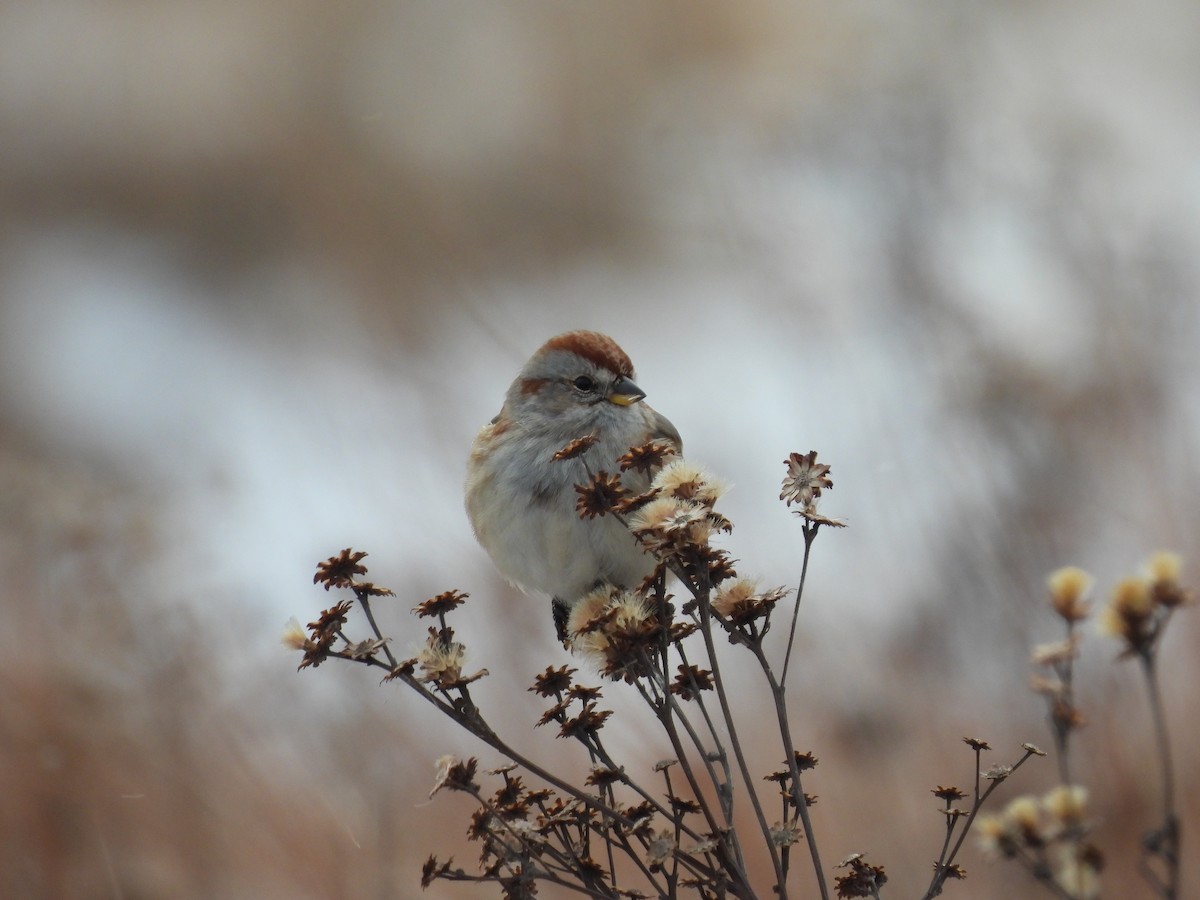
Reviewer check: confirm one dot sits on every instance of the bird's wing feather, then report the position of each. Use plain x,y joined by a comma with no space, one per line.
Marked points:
661,429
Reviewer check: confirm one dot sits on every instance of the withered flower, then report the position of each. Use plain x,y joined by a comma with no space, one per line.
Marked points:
366,649
587,723
1066,804
553,681
602,776
508,798
367,589
1163,573
784,834
432,870
864,880
441,661
708,845
1078,871
809,514
805,479
324,632
685,480
441,604
661,848
617,629
600,496
339,571
295,637
635,502
720,565
741,602
683,805
668,524
455,775
647,458
949,794
585,693
403,668
575,448
976,744
1130,615
805,761
555,713
1069,587
952,871
589,868
690,681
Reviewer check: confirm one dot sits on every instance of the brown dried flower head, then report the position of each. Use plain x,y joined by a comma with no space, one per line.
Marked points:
553,682
294,636
455,775
949,794
864,879
575,448
685,480
647,458
600,496
668,525
690,681
1069,587
1129,615
441,661
441,604
1162,570
619,630
660,849
741,602
339,571
805,479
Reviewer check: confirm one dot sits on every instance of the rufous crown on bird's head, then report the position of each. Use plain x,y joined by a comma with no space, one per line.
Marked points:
598,349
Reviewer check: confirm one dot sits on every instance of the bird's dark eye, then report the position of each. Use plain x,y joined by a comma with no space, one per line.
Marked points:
584,383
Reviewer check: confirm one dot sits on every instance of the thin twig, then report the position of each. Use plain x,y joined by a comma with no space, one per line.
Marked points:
1166,843
810,532
702,601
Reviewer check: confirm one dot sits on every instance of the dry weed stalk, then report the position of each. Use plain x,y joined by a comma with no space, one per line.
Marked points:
610,833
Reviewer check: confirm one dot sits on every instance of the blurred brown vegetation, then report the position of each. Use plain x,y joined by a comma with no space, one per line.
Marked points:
403,171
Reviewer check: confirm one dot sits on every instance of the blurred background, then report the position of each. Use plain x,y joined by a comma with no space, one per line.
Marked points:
266,266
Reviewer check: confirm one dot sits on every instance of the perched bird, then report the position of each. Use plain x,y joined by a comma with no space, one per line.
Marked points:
521,502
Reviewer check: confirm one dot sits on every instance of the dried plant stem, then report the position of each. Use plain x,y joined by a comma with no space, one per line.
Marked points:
943,865
712,730
1061,725
810,532
1165,841
706,629
729,849
467,717
366,607
778,694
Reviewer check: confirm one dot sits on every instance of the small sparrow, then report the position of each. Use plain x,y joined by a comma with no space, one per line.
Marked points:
521,502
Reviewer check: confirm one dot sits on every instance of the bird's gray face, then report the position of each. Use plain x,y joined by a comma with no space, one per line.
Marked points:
561,385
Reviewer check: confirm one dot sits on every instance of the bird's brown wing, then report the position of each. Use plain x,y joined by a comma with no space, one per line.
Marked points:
661,429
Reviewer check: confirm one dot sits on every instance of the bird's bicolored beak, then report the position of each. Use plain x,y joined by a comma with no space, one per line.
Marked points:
625,392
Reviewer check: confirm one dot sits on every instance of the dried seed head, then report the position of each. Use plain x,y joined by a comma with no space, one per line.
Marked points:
1069,587
688,481
1066,803
294,635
